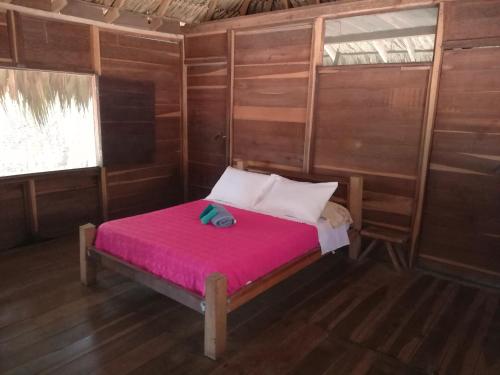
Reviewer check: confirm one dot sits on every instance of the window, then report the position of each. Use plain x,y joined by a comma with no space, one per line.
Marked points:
47,122
387,38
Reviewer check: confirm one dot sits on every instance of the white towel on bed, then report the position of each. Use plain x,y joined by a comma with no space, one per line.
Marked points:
330,238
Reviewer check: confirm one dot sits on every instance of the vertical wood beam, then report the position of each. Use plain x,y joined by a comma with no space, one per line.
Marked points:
315,60
355,204
88,266
426,143
32,206
103,184
96,49
11,27
184,123
230,98
244,7
215,315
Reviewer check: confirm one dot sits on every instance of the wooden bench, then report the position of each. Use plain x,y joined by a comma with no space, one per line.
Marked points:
394,243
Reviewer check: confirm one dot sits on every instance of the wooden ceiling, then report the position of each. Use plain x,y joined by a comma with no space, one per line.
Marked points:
161,15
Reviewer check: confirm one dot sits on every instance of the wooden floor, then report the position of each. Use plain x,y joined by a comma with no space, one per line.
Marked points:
333,318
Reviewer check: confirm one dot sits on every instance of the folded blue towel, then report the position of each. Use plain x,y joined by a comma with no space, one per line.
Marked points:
223,219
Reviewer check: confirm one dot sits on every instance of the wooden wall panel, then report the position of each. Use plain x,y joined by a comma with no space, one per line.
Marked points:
461,223
474,23
207,107
13,220
127,109
369,122
140,186
5,46
66,200
206,47
271,78
53,45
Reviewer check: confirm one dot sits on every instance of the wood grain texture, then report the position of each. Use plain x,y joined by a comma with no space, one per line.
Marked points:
369,121
153,181
271,82
127,110
207,111
334,317
472,23
13,216
5,46
461,224
54,45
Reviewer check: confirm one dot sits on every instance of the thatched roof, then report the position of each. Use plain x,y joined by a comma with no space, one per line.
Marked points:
195,11
37,92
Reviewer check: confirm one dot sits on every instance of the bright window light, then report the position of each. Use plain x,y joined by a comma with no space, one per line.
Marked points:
47,122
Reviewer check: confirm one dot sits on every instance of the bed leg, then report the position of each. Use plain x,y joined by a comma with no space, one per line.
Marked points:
355,246
215,315
88,266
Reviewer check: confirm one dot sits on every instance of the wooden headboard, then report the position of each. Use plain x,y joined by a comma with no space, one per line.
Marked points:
349,193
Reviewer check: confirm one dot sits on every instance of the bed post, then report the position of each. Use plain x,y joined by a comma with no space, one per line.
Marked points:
240,164
355,203
88,266
215,315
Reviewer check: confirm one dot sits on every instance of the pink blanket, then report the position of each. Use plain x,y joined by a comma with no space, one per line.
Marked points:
174,245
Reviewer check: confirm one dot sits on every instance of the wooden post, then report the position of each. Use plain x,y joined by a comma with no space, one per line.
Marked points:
103,184
355,203
88,266
184,123
215,315
240,164
426,145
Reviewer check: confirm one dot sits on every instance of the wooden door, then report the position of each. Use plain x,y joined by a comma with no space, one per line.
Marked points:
207,120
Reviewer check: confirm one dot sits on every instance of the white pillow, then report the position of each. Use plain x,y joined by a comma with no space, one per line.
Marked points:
240,188
302,201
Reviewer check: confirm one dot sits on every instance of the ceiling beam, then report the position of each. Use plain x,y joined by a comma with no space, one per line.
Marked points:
410,47
86,21
113,12
379,47
84,9
59,5
384,34
330,51
244,7
161,11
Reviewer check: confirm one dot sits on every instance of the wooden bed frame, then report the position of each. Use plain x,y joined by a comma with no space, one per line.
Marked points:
216,304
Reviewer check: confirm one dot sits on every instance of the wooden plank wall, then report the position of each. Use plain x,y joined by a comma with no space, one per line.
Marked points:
56,203
271,78
47,205
369,122
53,45
207,121
461,222
139,187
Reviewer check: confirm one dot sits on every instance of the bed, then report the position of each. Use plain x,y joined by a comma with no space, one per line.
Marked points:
210,270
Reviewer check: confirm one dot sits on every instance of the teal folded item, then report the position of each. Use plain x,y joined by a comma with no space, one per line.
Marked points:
223,219
207,214
217,215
